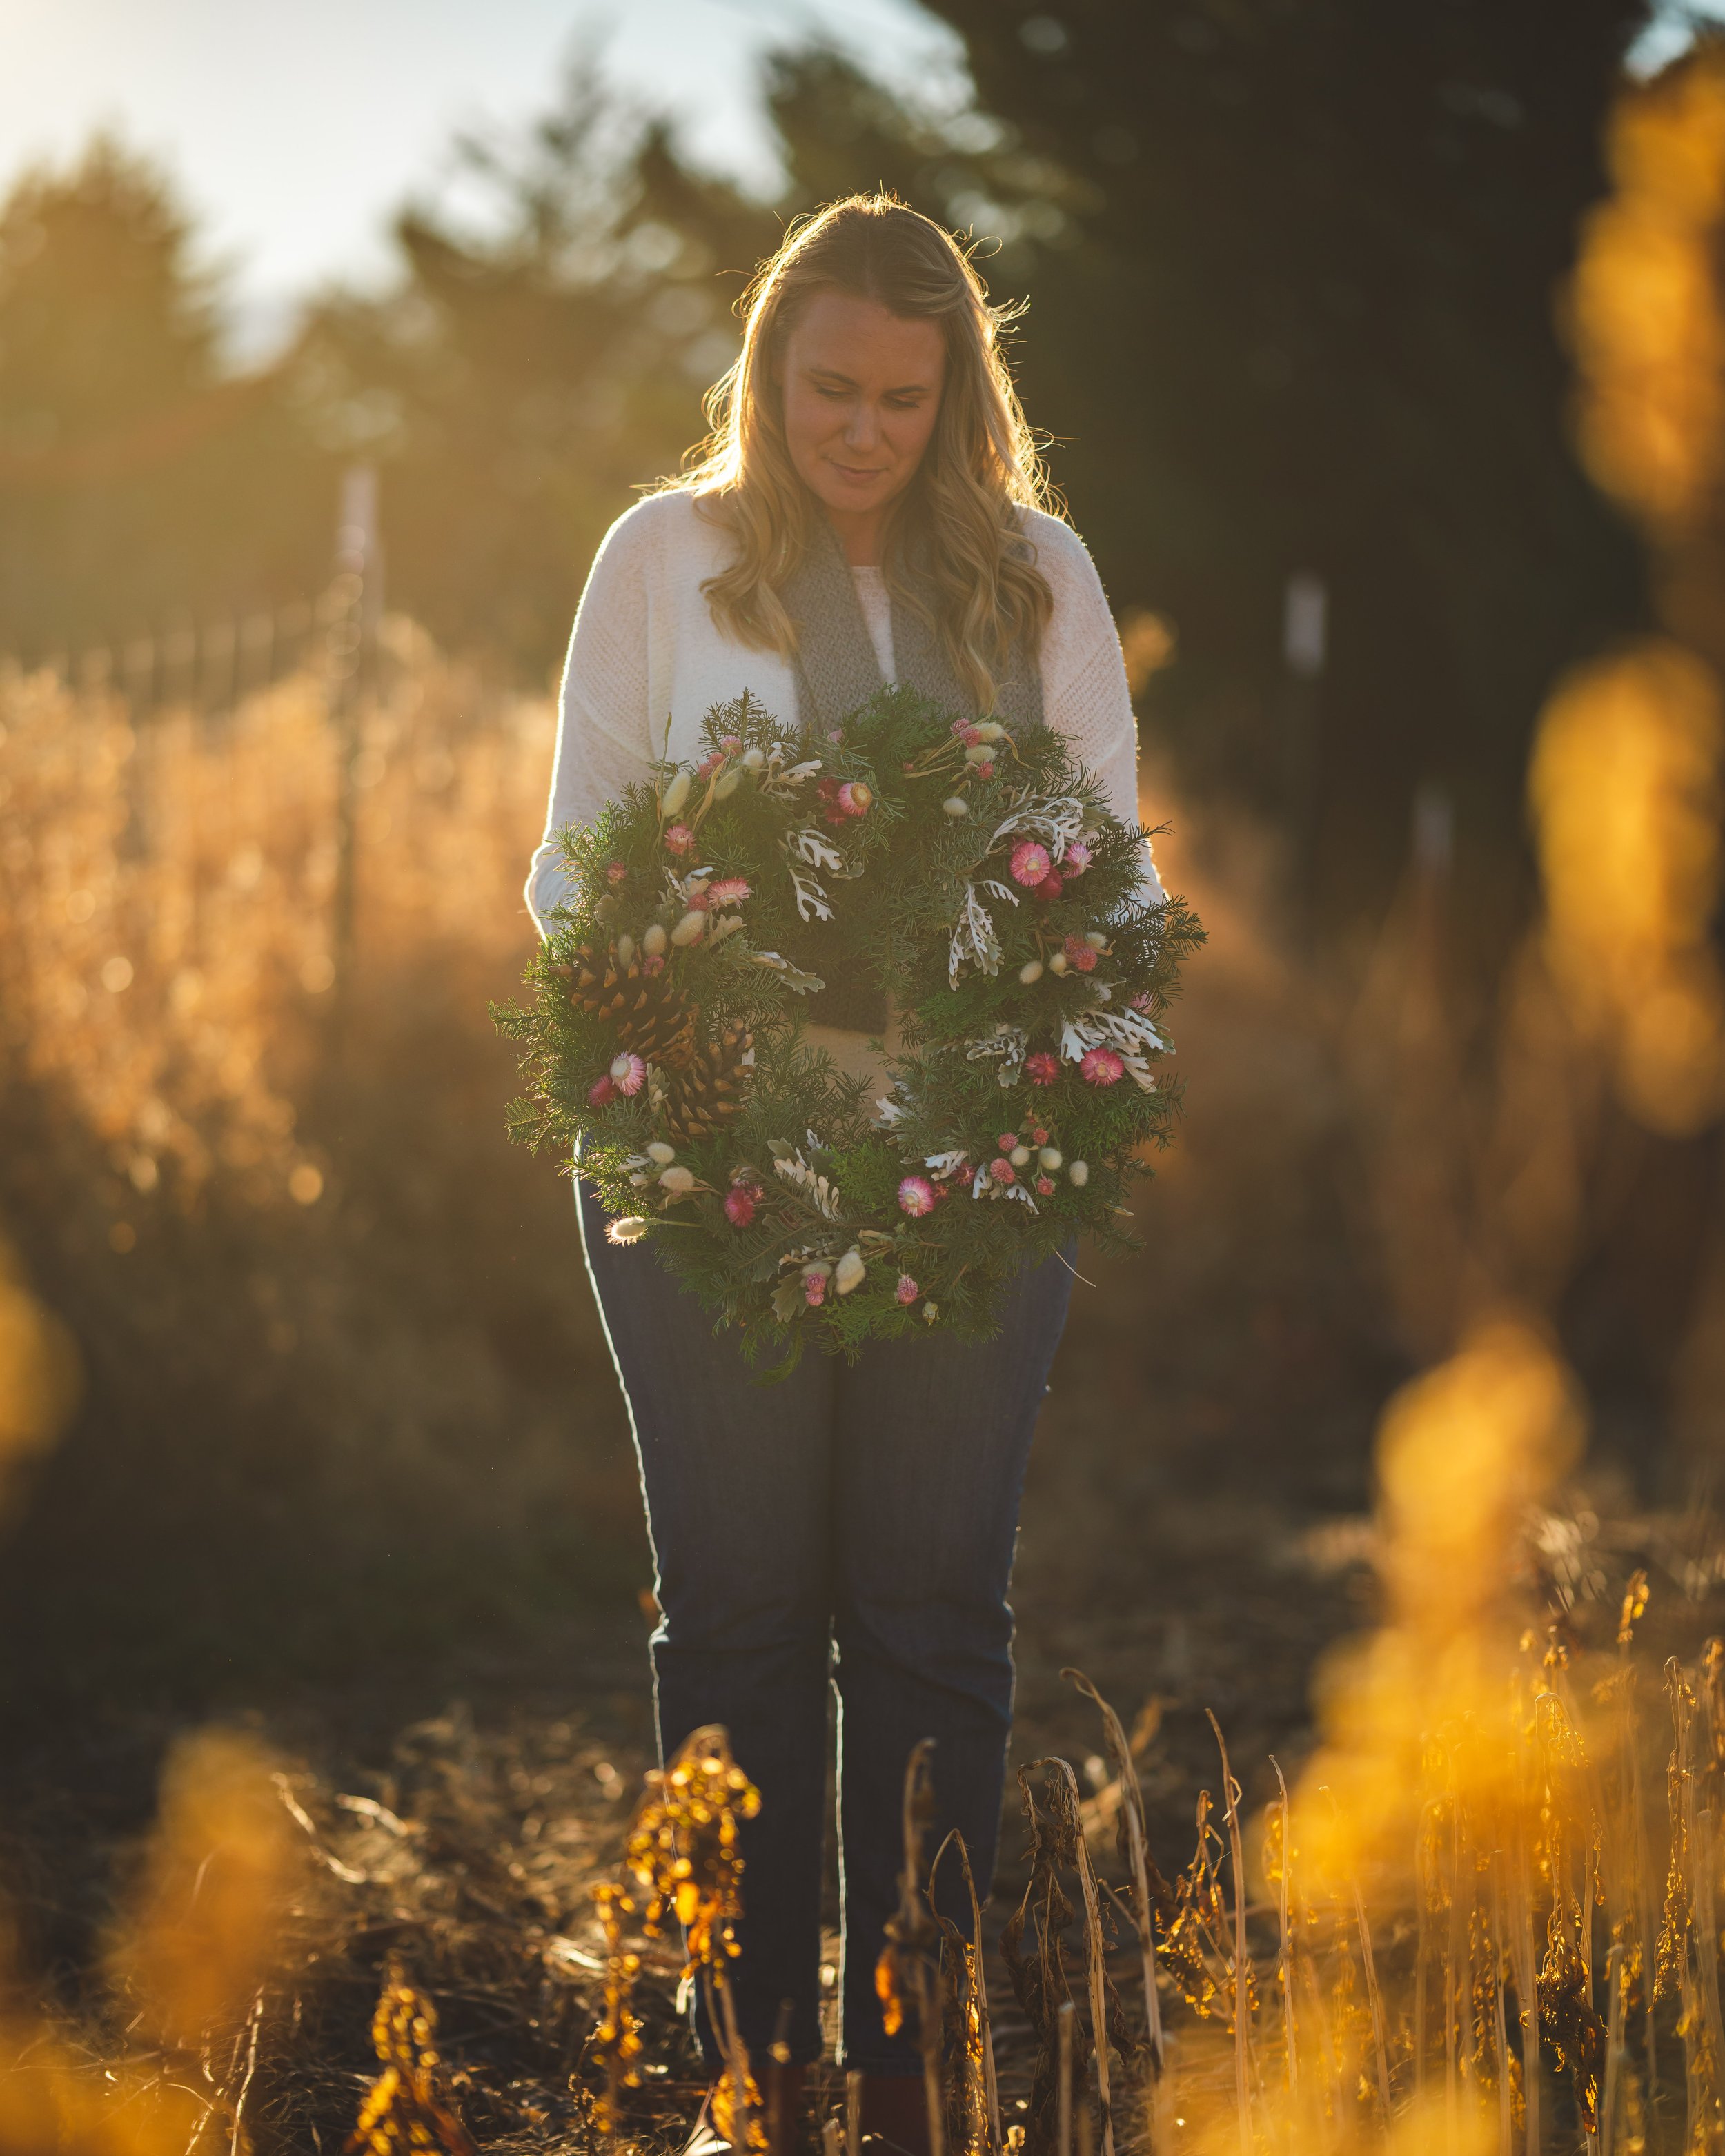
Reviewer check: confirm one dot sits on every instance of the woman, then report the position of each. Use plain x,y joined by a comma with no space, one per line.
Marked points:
867,509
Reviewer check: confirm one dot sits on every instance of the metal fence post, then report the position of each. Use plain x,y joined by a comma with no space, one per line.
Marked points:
1305,651
351,613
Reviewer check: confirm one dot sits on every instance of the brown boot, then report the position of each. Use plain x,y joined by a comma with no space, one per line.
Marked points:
895,2108
782,2097
784,2110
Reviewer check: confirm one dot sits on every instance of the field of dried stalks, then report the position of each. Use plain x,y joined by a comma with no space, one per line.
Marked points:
345,1448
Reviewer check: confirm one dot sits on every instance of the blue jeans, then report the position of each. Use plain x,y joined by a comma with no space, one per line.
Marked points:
854,1524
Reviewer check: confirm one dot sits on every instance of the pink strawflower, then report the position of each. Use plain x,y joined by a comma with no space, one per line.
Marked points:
916,1196
1050,887
907,1289
740,1202
710,763
972,735
731,744
1044,1188
654,962
728,891
700,900
1002,1171
961,726
1031,864
1039,1136
1079,954
856,798
1076,860
678,838
1009,1139
600,1094
1042,1069
1101,1067
814,1288
616,873
984,770
1140,1002
630,1074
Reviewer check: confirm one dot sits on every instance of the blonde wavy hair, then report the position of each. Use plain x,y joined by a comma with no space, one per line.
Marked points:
981,468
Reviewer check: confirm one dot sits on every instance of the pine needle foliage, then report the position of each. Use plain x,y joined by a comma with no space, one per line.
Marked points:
975,877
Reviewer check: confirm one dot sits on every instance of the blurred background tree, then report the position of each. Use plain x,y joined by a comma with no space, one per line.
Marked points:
1313,325
1297,276
139,478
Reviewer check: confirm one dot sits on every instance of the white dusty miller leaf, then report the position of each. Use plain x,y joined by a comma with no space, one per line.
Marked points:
815,1188
1055,818
983,1185
793,978
1009,1043
1129,1033
975,941
811,899
780,782
809,845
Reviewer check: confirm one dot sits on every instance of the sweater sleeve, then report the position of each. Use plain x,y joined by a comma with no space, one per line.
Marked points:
1084,686
604,733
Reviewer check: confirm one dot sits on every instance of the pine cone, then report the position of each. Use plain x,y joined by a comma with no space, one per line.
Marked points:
710,1093
652,1020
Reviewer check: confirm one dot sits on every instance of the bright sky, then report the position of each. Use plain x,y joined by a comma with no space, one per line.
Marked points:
296,127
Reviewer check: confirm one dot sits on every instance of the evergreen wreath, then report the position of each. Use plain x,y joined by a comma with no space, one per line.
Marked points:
974,874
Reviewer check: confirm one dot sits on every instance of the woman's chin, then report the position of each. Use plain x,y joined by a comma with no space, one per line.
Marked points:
857,496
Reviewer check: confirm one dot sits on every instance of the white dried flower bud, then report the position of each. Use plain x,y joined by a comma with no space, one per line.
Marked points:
625,950
675,794
1096,939
654,941
1051,1157
689,930
955,804
1031,970
1019,1155
991,730
726,784
1078,1173
754,759
629,1230
848,1272
676,1182
659,1152
979,753
1058,961
816,1268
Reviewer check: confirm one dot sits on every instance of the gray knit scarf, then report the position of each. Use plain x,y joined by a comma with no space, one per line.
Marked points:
835,664
836,669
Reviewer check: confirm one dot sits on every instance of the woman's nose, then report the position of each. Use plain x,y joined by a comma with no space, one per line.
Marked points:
863,428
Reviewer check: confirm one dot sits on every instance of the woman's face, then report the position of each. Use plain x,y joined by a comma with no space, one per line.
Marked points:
861,389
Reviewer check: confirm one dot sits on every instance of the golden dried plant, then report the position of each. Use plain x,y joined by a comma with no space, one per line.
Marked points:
408,2108
684,1852
39,1370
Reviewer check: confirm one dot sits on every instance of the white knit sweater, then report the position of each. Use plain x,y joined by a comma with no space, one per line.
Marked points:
647,656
